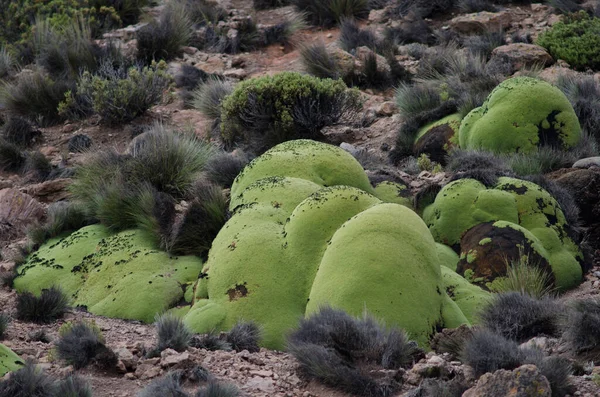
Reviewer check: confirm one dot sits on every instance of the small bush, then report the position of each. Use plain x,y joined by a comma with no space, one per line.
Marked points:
207,98
520,317
566,6
555,368
244,336
37,166
202,12
413,100
329,12
584,94
19,131
39,336
11,157
525,278
488,352
576,40
417,31
29,381
118,95
49,306
352,36
265,111
582,331
35,97
218,389
82,343
73,386
4,321
268,4
319,62
334,348
172,333
166,386
163,39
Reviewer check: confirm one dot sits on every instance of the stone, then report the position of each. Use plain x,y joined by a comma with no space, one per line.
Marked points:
387,109
378,16
525,381
588,162
79,143
481,22
18,211
238,74
49,191
147,371
521,55
126,358
261,384
170,358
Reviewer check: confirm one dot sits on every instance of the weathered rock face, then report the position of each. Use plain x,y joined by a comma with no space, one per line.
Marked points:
481,22
521,55
525,381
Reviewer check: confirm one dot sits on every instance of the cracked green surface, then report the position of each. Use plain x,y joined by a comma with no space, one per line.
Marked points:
115,275
523,205
9,361
306,232
519,115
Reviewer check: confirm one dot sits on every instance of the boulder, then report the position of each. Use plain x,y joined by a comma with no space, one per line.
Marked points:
18,211
525,381
481,22
522,55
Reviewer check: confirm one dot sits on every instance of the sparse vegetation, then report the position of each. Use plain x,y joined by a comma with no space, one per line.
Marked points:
218,389
267,4
81,344
19,131
4,321
488,352
329,12
332,347
49,306
29,381
165,386
583,328
172,333
244,336
525,278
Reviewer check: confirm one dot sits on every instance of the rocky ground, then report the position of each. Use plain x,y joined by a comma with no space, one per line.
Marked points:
267,373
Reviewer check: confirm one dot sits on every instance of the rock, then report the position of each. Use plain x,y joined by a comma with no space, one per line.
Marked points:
349,148
450,340
378,16
79,143
435,143
126,358
588,162
18,211
481,22
362,53
343,59
147,371
170,358
238,74
521,55
49,191
552,73
387,109
525,381
261,384
189,50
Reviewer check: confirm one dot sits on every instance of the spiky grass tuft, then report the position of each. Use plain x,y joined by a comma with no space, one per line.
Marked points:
81,343
218,389
19,131
29,381
244,336
582,329
207,98
525,278
329,12
73,386
489,352
172,333
319,62
166,386
11,157
49,306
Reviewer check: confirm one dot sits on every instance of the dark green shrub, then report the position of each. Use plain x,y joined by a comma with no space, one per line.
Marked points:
329,12
81,343
118,95
163,39
575,40
49,306
19,131
35,96
11,157
265,111
337,349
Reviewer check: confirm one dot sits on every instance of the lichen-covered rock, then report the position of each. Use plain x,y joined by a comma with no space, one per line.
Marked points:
307,231
489,226
9,361
115,275
519,115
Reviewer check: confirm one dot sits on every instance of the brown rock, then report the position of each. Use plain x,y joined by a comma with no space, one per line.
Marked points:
50,191
170,358
521,55
387,109
525,381
147,371
435,143
18,211
481,22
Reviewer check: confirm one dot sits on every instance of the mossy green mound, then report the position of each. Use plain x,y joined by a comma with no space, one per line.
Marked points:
279,257
9,361
465,216
519,115
115,275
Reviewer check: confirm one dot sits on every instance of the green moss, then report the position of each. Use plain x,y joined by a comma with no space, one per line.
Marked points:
523,205
392,192
468,297
452,120
120,275
575,40
447,257
485,241
9,361
519,115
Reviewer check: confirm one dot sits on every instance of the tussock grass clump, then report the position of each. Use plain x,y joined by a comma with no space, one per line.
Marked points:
63,216
471,6
19,131
489,352
7,63
265,111
319,62
584,94
244,336
208,97
329,12
352,36
35,97
163,39
520,317
73,386
211,341
81,344
268,4
525,278
202,12
49,306
4,321
582,328
172,333
223,167
484,44
333,347
218,389
29,381
165,386
11,157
